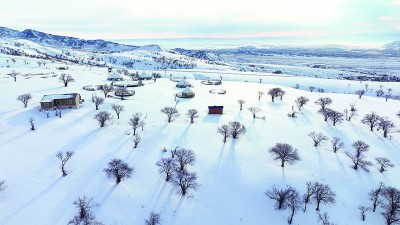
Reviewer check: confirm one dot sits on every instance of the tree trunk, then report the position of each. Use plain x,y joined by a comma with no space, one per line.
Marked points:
117,115
118,179
283,163
291,217
317,205
254,116
385,132
63,171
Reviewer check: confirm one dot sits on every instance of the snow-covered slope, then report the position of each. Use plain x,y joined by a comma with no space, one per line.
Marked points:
64,41
233,176
393,48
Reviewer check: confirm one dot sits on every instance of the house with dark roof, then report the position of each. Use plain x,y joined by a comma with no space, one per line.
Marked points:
71,100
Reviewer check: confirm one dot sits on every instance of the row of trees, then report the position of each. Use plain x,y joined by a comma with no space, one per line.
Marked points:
85,216
289,197
358,158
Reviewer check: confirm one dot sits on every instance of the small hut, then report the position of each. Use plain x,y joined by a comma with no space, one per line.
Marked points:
144,76
186,93
114,77
183,84
215,109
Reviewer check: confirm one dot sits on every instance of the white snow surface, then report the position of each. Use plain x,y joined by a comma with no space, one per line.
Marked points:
233,177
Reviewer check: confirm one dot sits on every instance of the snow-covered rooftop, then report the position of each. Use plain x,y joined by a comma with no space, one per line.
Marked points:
50,98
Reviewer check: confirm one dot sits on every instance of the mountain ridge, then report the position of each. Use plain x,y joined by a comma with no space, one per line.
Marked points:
64,41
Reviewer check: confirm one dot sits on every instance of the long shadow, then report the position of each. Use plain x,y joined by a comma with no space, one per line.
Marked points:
31,201
107,195
16,137
156,193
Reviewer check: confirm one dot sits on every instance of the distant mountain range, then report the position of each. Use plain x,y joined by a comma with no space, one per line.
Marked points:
391,49
64,41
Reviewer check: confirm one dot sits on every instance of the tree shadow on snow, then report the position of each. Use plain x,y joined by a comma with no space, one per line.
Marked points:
156,192
31,201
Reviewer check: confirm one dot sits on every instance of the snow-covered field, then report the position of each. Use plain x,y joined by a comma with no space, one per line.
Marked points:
232,176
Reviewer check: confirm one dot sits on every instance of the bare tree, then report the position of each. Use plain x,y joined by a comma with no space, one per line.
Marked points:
301,101
398,114
58,112
323,102
351,113
363,210
13,60
280,196
32,122
98,101
360,93
225,131
391,205
154,218
241,102
260,93
192,114
371,119
324,219
387,96
136,140
323,194
85,215
383,163
106,88
379,93
284,153
337,144
123,92
167,166
359,158
236,129
136,121
254,111
118,109
102,117
24,98
170,112
276,92
119,170
312,88
66,79
336,117
64,159
386,125
310,191
318,138
326,112
375,196
185,181
2,185
14,75
293,203
184,157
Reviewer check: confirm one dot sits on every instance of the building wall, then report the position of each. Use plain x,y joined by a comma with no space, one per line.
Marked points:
216,111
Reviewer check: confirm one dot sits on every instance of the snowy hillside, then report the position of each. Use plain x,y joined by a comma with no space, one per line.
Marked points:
64,41
393,48
330,62
233,176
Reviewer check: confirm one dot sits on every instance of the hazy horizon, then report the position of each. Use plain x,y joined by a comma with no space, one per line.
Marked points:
155,19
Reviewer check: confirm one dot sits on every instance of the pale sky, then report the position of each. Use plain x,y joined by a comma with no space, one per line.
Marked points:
121,19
